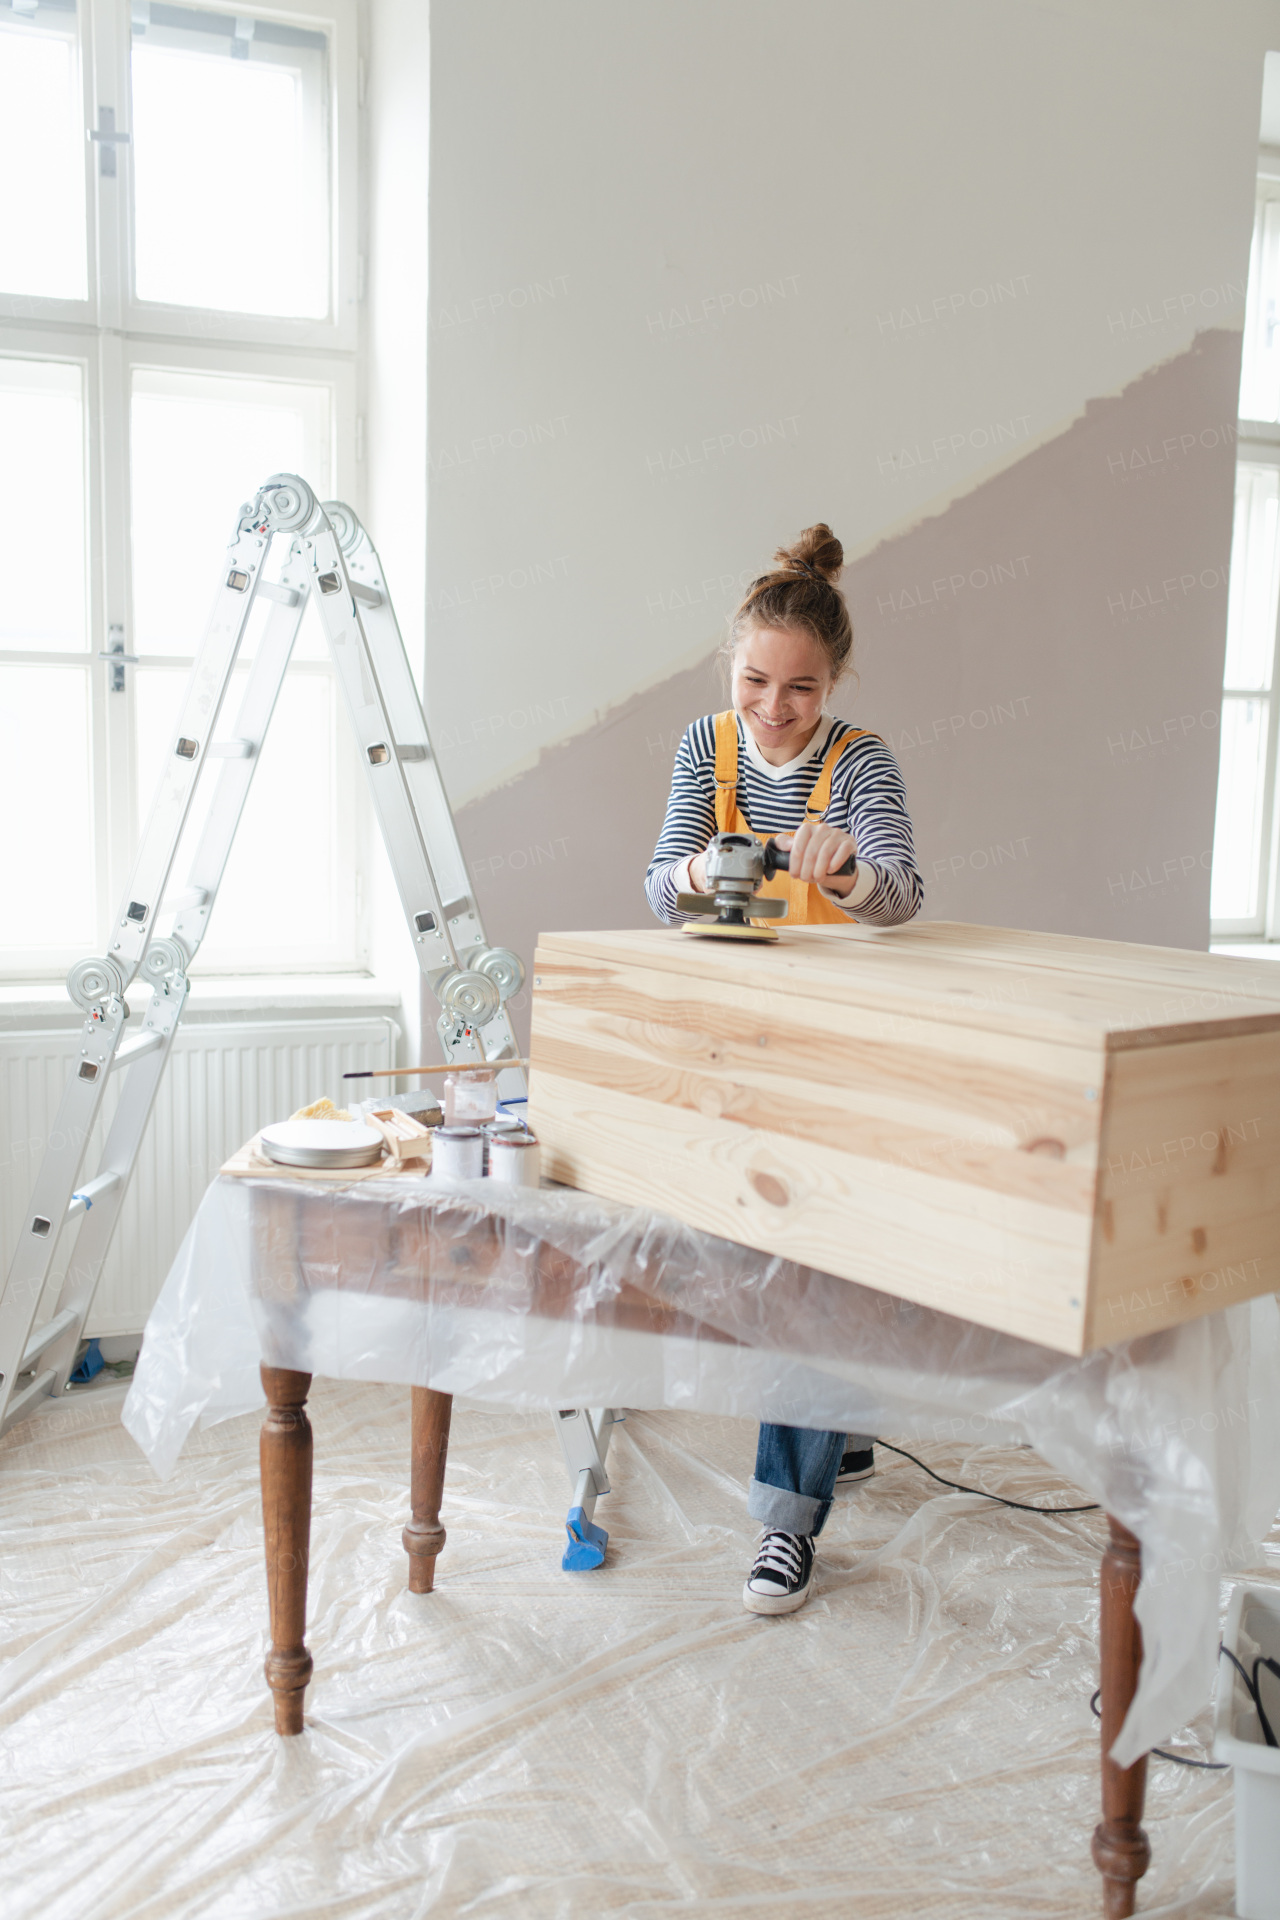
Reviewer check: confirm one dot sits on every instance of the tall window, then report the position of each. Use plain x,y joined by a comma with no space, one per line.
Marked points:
1245,900
177,322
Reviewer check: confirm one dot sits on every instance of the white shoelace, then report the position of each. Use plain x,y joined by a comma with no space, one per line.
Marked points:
779,1553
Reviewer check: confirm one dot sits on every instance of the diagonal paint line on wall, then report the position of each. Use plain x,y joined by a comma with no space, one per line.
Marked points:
1080,629
1042,436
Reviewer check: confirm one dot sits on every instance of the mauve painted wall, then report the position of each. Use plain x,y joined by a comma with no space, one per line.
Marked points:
1045,657
997,254
1052,700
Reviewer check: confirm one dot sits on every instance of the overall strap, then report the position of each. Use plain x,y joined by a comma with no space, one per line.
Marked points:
820,799
726,774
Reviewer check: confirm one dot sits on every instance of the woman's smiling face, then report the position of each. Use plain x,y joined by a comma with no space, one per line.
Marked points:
781,680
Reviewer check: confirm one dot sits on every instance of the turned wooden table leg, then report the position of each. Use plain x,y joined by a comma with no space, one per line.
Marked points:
1121,1850
284,1450
424,1537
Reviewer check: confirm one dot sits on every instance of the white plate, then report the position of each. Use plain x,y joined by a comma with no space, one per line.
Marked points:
321,1143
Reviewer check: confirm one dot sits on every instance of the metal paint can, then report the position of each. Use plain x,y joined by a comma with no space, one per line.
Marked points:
515,1159
504,1124
457,1153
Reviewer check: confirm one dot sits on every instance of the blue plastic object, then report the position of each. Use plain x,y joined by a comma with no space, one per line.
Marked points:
586,1543
88,1365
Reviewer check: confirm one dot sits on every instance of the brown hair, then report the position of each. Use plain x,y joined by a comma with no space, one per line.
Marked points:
801,593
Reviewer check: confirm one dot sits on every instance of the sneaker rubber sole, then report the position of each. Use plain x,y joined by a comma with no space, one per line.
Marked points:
781,1603
854,1467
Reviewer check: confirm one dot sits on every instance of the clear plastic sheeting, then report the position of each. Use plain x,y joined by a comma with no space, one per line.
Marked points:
525,1744
554,1298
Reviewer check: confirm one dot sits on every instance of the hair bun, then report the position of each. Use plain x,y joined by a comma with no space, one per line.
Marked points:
817,550
789,598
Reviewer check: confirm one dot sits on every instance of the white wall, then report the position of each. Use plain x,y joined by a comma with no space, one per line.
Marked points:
618,167
700,274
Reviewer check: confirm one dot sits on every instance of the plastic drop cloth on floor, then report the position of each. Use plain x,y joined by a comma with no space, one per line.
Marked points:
525,1744
545,1298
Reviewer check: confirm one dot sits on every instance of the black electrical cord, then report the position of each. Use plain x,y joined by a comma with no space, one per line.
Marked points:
1159,1753
1251,1688
1023,1506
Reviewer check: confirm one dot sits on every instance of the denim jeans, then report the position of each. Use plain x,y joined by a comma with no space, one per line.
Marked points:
795,1476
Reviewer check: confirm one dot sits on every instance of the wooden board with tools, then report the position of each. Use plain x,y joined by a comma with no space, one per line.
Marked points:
1071,1140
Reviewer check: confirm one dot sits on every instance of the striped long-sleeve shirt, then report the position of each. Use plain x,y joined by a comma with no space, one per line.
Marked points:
868,800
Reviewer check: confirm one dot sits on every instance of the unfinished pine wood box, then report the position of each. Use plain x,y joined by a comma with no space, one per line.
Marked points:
1071,1140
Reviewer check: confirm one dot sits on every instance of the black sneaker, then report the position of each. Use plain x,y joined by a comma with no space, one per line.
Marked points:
781,1574
856,1465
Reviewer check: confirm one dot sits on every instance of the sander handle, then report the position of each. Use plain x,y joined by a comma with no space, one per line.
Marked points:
778,860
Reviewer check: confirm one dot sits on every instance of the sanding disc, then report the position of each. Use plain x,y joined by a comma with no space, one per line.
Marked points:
721,930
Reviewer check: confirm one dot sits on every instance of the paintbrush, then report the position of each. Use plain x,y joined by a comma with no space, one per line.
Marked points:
406,1073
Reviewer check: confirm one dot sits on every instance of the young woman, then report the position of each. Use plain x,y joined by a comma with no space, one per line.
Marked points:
777,763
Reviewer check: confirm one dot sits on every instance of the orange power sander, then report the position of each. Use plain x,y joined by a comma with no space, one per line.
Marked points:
737,866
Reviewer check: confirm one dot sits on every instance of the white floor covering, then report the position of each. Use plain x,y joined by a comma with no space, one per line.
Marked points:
526,1744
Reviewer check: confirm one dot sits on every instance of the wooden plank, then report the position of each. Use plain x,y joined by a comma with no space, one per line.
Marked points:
780,1018
825,967
971,1118
903,972
1181,994
1002,1261
1104,959
1188,1187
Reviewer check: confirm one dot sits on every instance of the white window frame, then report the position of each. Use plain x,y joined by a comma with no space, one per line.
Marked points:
1258,444
22,343
106,40
108,336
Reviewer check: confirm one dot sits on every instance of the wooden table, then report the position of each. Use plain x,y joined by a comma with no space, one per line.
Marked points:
1120,1847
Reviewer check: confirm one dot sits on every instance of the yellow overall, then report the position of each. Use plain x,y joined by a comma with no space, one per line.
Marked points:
805,904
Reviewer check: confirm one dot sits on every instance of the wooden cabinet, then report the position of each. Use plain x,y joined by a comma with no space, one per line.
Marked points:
1072,1140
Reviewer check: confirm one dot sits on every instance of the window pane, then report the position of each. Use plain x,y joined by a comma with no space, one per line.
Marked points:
45,780
43,248
231,164
286,898
286,894
42,507
1255,576
223,437
158,695
1237,839
1260,362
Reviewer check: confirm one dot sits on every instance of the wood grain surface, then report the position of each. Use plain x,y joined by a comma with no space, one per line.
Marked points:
969,1117
1032,984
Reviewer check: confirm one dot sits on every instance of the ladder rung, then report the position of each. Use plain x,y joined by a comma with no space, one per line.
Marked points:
20,1402
229,750
45,1336
272,590
140,1044
367,596
190,897
418,752
83,1197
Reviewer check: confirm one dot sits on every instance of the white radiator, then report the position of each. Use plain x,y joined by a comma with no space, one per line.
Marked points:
222,1083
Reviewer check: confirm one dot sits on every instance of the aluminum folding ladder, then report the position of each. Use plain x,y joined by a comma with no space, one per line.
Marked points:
329,558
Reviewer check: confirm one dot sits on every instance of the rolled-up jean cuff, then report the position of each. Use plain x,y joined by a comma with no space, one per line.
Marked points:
779,1507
